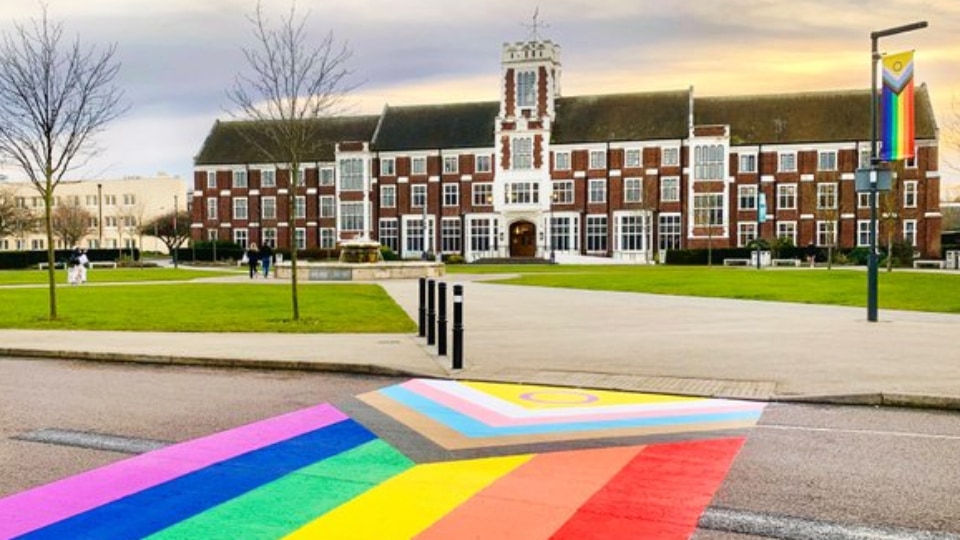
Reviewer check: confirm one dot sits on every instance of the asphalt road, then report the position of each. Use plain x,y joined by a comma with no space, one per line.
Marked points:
848,468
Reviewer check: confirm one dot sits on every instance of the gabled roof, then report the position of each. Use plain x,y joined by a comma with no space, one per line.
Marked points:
622,117
231,142
803,117
425,127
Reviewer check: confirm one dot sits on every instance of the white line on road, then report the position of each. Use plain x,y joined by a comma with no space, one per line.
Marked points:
862,432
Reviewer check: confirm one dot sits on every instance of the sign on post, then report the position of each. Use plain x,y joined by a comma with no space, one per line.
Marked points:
867,176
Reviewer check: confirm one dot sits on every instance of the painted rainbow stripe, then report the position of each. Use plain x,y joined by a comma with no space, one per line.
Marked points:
897,130
316,473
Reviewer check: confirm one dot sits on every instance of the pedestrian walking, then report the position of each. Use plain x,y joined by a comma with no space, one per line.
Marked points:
811,254
82,267
253,258
73,267
266,257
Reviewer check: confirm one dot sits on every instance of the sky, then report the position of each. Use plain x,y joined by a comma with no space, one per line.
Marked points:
179,57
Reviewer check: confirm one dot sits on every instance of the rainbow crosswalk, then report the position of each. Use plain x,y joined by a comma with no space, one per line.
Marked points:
317,473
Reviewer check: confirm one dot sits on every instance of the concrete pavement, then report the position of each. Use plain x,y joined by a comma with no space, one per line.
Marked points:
625,341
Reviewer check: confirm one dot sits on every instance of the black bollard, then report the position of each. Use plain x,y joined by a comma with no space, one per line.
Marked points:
431,312
422,310
458,327
442,319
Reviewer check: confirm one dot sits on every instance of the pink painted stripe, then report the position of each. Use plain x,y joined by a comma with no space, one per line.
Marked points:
43,505
495,419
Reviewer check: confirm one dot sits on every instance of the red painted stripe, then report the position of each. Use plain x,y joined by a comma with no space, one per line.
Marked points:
660,495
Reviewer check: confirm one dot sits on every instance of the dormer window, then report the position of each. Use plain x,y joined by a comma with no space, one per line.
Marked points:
526,89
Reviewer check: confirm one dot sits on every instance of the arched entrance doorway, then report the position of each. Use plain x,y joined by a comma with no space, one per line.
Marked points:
523,239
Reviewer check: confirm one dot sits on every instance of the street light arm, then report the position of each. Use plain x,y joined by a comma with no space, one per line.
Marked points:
897,30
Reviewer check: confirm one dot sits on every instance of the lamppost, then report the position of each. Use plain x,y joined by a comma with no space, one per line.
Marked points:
553,253
100,216
875,161
176,235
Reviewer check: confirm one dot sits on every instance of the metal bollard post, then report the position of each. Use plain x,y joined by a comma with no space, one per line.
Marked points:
422,310
431,312
442,319
458,327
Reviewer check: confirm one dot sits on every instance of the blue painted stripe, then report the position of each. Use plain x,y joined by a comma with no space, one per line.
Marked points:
470,427
166,504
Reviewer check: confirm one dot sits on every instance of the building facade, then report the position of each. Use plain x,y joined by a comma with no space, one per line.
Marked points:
536,174
116,208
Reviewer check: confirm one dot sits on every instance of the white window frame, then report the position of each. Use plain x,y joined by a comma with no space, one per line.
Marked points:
863,199
910,232
352,216
388,166
561,160
910,191
670,189
670,156
240,178
563,192
450,235
327,175
748,162
390,226
670,230
268,178
633,158
352,174
521,193
521,153
418,165
787,162
268,208
484,163
211,179
827,160
418,195
597,194
710,206
451,194
787,229
300,207
388,196
633,190
863,233
213,204
598,159
328,206
451,164
597,231
747,197
300,238
241,208
827,196
827,233
526,81
241,237
746,232
482,193
328,238
631,231
787,197
709,162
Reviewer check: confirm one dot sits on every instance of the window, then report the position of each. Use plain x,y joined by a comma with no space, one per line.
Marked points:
240,208
268,178
212,235
390,234
632,158
563,233
351,216
129,221
270,237
563,192
826,196
451,164
910,232
482,194
300,238
631,232
596,233
301,176
328,238
413,235
299,207
864,159
787,197
90,200
708,209
863,199
108,200
326,176
748,163
561,161
671,156
598,191
483,163
598,159
328,206
670,228
526,88
909,194
388,167
826,233
418,196
827,160
451,194
419,165
747,197
787,230
522,153
239,179
211,208
482,234
787,162
211,179
910,162
708,162
745,233
863,233
351,174
632,190
388,196
129,199
450,235
522,193
670,189
268,208
240,237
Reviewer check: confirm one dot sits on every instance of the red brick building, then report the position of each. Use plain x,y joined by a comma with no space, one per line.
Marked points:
535,174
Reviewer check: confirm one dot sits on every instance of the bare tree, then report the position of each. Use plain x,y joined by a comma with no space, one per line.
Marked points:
290,87
54,98
172,228
71,222
15,219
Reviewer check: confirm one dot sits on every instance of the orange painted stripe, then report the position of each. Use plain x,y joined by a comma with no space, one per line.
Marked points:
536,498
660,495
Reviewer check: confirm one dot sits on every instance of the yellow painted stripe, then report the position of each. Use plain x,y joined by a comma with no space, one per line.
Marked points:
534,397
410,502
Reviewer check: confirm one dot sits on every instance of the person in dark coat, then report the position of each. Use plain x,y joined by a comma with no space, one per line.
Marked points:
253,258
811,254
266,257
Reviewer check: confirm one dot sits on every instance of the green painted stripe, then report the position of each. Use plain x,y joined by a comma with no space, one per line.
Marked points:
281,507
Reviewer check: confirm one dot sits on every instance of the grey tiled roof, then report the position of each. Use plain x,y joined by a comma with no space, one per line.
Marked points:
425,127
622,117
805,117
232,141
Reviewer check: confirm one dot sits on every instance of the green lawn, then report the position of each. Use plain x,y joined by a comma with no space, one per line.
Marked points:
207,307
111,275
915,291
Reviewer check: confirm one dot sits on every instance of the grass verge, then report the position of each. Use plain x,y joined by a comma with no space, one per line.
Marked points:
111,275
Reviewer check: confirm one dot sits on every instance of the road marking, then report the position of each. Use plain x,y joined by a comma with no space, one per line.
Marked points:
93,441
796,528
861,432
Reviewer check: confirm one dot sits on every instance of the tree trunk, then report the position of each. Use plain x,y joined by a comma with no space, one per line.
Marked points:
51,255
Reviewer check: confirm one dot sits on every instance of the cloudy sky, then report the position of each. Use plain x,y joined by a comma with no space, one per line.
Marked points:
179,56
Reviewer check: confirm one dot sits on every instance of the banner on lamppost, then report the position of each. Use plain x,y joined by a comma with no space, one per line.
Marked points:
896,108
